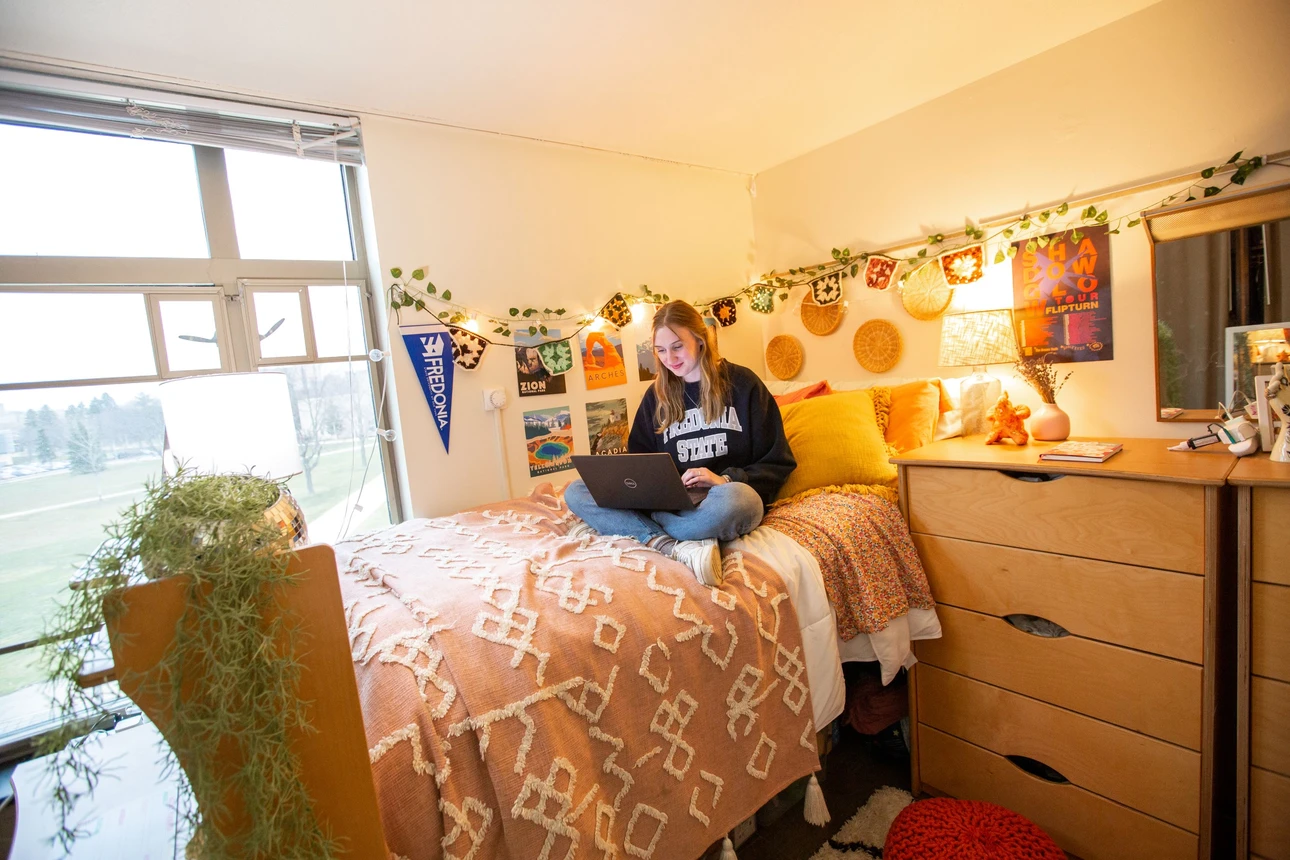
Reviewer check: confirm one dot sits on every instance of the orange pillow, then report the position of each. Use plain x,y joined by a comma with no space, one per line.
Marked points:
819,389
915,407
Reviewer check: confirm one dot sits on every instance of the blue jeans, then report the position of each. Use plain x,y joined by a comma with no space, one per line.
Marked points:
728,511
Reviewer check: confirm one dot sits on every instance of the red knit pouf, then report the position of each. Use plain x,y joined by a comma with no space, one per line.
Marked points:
966,830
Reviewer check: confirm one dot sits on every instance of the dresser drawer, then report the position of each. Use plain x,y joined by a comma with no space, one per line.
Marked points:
1134,522
1270,725
1150,694
1269,821
1138,607
1270,516
1269,631
1152,776
1081,822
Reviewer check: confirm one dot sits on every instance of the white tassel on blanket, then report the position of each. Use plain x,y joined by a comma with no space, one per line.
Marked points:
728,849
814,809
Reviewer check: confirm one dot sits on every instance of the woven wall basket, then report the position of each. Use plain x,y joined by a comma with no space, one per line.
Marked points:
784,356
877,346
820,319
925,294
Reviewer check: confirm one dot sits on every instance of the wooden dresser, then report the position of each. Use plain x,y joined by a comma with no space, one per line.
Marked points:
1103,730
1263,659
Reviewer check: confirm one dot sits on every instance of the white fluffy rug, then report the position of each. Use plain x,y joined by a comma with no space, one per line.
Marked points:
862,837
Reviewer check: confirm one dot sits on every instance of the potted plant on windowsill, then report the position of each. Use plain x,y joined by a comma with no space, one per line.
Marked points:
227,679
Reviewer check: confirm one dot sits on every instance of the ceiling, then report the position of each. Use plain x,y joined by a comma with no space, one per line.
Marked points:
739,85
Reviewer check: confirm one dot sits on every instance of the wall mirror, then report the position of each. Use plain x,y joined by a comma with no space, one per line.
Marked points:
1221,273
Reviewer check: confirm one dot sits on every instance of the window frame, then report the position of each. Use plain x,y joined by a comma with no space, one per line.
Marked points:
224,275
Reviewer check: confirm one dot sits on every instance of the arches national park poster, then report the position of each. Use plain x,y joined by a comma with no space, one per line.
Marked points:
1062,295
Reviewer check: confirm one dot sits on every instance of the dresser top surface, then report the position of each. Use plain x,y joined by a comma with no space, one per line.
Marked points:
1260,471
1140,459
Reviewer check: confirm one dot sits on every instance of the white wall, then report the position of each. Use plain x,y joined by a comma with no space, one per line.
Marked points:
1176,87
505,222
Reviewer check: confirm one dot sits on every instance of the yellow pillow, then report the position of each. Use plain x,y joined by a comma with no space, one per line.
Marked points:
911,421
836,441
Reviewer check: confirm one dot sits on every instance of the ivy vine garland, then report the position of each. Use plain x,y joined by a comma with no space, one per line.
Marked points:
212,530
411,292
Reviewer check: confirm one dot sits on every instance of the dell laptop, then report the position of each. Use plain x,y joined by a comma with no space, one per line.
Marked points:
637,482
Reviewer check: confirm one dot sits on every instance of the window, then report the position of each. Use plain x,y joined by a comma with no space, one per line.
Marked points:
287,209
89,195
81,429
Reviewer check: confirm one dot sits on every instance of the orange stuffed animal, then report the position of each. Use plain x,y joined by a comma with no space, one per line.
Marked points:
1005,422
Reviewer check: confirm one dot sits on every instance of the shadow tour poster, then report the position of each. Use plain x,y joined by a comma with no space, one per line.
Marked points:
1062,296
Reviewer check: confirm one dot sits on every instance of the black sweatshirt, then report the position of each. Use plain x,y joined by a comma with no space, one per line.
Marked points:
746,444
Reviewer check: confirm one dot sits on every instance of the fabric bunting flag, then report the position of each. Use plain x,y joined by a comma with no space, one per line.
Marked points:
616,312
430,357
763,300
724,311
964,265
467,347
879,273
828,289
557,356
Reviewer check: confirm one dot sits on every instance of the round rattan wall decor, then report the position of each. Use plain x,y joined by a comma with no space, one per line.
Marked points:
820,319
877,346
784,356
925,294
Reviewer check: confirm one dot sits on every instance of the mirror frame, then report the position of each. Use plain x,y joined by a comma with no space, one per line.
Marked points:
1256,206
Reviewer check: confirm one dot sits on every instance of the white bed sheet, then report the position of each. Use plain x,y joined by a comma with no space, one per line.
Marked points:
824,651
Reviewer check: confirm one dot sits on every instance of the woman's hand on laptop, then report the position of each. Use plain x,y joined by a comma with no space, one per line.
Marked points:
701,477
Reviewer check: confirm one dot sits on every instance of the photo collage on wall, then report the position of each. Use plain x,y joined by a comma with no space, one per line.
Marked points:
540,367
1062,297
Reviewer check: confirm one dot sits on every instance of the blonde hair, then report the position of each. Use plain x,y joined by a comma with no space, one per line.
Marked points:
669,389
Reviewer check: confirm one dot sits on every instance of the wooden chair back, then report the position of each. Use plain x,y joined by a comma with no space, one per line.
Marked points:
334,761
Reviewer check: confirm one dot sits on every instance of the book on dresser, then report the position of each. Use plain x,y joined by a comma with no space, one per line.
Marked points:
1082,452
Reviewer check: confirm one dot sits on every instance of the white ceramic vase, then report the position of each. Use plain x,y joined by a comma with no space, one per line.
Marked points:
1049,423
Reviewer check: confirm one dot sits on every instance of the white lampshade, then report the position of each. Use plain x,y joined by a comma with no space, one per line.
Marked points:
232,423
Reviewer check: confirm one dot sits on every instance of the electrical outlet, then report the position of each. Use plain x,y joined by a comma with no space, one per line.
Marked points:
494,398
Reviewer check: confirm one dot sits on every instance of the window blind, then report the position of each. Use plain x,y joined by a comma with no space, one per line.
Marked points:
155,115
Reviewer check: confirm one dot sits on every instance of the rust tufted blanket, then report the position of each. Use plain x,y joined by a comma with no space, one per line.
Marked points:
527,695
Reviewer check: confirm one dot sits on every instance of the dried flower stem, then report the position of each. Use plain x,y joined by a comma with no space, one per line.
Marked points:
1041,375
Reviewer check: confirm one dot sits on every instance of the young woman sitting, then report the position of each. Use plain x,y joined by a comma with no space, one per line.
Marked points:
725,435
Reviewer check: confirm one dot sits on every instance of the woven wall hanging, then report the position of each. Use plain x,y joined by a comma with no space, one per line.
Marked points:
820,319
879,273
725,311
925,294
963,266
616,311
877,346
828,289
784,356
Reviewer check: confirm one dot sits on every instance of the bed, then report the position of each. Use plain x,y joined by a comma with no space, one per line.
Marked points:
527,694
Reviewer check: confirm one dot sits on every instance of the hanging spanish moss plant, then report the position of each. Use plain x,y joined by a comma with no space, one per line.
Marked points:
230,724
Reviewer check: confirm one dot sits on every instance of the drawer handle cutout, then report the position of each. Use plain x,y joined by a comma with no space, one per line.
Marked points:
1031,477
1037,768
1037,626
